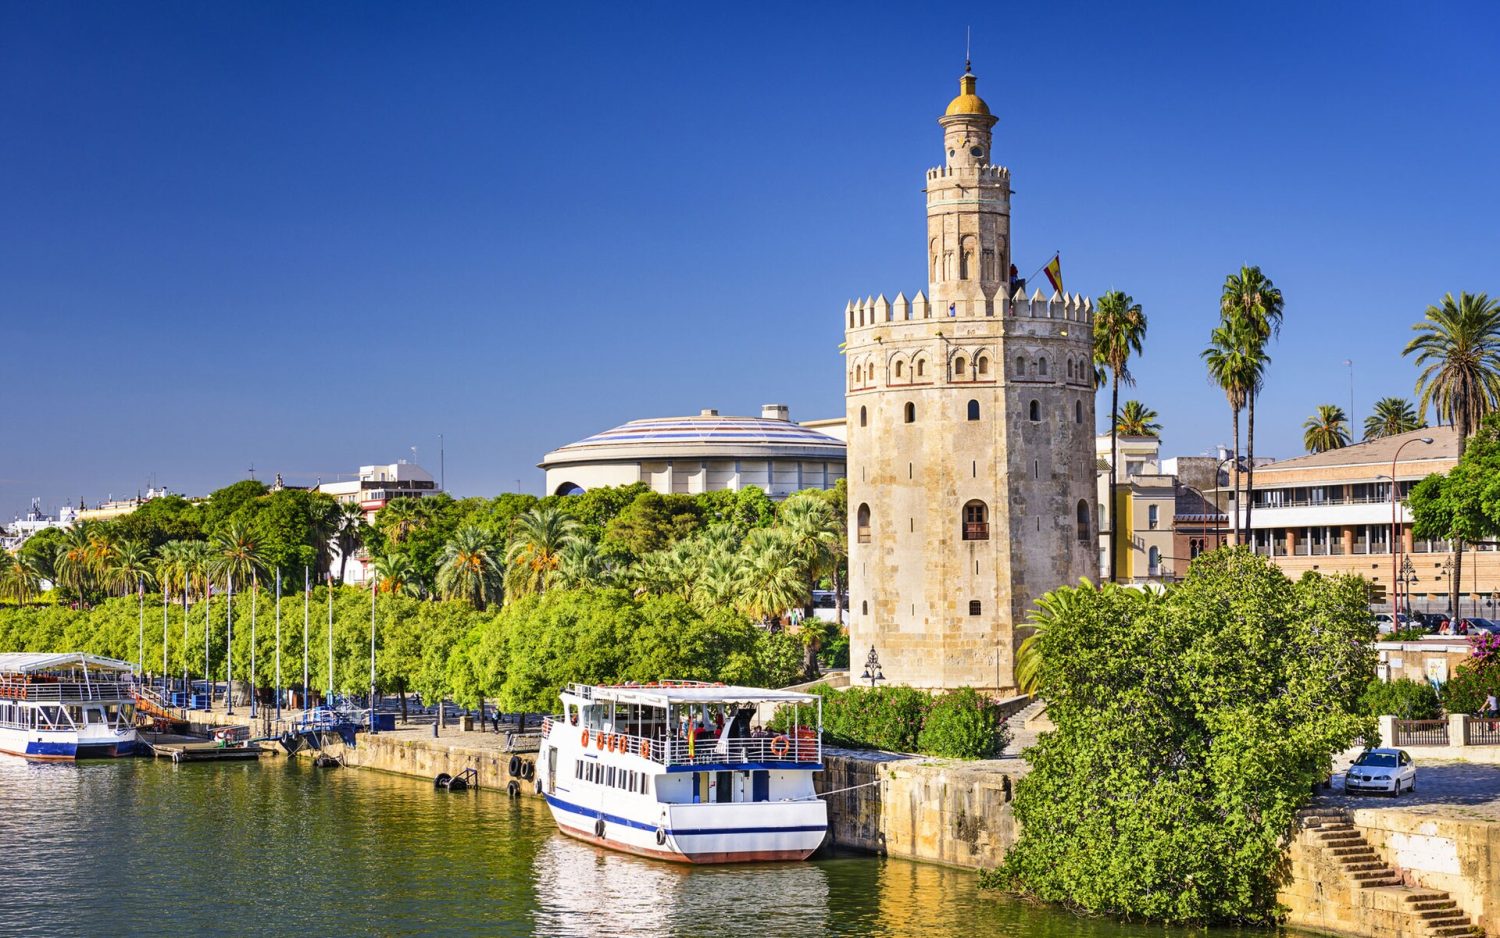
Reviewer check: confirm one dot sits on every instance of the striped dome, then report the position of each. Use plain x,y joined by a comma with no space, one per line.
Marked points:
707,434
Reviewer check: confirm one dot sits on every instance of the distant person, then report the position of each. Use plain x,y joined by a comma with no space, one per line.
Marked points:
1490,707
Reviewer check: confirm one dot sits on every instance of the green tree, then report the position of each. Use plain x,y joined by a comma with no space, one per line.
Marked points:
20,581
771,575
1119,330
130,565
1136,419
1325,430
237,555
1252,301
1392,415
1458,349
531,561
159,520
470,569
1191,726
348,532
1463,505
1236,369
650,522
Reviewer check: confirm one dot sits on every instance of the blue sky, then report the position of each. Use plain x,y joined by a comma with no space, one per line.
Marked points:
308,236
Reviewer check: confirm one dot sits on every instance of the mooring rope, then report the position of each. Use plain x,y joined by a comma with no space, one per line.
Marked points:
825,794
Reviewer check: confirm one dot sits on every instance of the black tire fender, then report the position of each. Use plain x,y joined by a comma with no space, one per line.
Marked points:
515,765
513,788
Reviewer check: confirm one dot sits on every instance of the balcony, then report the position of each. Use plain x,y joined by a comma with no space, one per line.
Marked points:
976,530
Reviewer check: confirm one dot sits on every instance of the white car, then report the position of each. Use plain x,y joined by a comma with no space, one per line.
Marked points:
1384,770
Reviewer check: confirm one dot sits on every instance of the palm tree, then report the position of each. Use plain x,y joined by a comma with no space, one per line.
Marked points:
1119,328
396,573
173,571
238,556
131,565
469,568
1136,419
348,532
401,516
20,580
536,548
771,580
1459,343
1236,371
199,561
1325,430
817,537
76,563
1250,298
1392,415
1051,609
580,565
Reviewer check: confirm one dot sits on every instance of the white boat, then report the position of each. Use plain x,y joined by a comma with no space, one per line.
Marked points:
61,707
680,770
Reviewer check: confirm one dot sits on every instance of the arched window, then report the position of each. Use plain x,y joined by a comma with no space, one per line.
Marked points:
1070,369
958,366
911,412
862,416
921,367
1041,365
870,372
976,521
974,607
1036,410
864,607
1153,562
900,367
1153,516
1021,365
1083,522
1078,411
973,410
982,365
862,524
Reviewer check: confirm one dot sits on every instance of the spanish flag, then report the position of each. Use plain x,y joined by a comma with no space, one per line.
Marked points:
1054,272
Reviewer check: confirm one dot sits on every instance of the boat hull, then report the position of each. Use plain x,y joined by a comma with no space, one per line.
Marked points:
703,833
66,748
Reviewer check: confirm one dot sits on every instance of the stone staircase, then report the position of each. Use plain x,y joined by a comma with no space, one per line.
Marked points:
1354,891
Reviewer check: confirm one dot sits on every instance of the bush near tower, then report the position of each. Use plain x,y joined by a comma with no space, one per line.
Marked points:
1191,726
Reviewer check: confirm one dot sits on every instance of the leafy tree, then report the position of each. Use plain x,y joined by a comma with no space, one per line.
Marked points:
159,520
1190,727
348,532
650,522
1119,329
237,557
1236,367
771,575
1409,700
1392,415
818,540
1464,505
1136,419
1252,301
962,724
747,508
1325,430
20,580
1471,682
130,565
531,561
223,503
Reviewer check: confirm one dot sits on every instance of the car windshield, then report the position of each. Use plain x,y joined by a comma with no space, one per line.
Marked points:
1378,759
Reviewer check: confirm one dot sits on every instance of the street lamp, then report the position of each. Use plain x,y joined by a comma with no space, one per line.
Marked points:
1219,526
1395,551
872,668
1407,578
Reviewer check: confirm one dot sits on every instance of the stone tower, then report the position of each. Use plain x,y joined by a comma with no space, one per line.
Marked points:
971,438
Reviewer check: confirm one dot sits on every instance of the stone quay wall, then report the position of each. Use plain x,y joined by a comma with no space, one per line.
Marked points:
1460,856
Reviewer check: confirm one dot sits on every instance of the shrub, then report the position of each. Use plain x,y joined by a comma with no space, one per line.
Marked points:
963,724
1411,634
1404,698
864,718
1469,685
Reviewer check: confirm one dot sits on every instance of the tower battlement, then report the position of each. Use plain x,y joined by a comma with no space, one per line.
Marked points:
986,173
875,311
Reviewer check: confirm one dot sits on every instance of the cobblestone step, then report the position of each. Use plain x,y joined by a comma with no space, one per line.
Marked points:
1454,931
1352,851
1434,905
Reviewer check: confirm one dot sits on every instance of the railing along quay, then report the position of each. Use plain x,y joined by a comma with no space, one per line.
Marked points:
1420,732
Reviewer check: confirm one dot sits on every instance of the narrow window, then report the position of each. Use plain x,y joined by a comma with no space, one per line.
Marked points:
982,365
1077,412
976,521
862,416
974,607
1152,515
1153,562
864,607
1021,365
862,524
1041,365
900,366
1036,410
1083,522
1070,368
973,410
870,372
958,366
921,367
911,412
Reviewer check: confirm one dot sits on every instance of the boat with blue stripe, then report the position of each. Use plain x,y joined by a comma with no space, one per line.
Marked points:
686,770
64,707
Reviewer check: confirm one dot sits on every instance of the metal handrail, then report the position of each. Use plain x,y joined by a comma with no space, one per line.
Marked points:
773,747
68,691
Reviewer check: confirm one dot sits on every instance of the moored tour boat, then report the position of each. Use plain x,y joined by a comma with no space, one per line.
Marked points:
681,770
61,707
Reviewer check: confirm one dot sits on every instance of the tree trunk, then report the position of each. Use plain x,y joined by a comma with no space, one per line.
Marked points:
401,689
343,561
1462,423
1114,459
838,597
1235,463
1250,476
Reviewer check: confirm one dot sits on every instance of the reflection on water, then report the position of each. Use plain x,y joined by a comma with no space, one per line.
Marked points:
135,847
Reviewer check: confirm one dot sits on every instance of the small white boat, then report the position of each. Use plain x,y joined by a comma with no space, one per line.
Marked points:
61,707
680,770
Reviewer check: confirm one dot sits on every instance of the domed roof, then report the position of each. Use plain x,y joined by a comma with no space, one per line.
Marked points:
707,434
967,101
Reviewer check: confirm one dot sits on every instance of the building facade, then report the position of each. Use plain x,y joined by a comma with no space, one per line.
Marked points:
1163,516
372,489
706,453
970,415
1333,512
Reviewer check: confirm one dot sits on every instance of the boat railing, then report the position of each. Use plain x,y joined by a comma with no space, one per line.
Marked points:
66,691
805,746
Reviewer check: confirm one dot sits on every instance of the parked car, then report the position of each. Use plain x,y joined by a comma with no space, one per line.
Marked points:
1385,623
1477,625
1382,770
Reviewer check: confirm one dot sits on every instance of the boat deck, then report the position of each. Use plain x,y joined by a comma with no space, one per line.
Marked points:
189,750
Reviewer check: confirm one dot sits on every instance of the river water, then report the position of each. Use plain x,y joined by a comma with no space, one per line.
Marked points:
136,847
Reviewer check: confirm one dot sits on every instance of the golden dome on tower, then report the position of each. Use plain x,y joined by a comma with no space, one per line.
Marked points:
967,101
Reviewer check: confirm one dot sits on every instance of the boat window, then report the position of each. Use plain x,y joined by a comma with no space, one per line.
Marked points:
93,715
577,769
75,714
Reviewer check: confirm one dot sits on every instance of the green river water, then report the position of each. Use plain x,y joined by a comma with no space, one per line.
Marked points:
135,847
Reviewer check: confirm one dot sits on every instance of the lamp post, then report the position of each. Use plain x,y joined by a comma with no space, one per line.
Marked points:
872,668
1219,525
1407,578
1395,551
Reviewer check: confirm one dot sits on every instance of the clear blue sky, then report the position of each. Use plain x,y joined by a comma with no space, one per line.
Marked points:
310,236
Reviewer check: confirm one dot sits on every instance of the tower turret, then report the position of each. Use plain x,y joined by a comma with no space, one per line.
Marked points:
968,207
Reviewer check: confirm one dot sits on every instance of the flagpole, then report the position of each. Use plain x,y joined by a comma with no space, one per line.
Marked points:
229,646
329,701
140,591
278,643
254,593
306,612
167,698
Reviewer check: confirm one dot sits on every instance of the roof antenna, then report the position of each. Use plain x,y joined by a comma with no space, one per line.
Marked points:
967,31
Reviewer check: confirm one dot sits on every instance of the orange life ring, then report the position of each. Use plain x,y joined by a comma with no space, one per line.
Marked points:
585,739
779,746
613,743
600,739
645,749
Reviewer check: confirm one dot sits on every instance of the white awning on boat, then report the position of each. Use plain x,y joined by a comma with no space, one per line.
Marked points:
27,662
687,693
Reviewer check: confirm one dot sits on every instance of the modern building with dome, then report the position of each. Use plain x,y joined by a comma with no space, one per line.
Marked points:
706,453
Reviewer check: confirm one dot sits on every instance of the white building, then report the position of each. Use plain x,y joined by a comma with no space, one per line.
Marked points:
706,453
371,489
